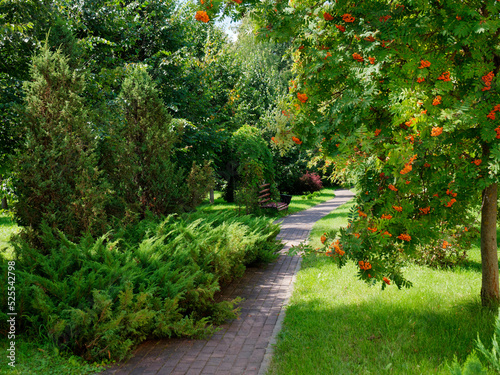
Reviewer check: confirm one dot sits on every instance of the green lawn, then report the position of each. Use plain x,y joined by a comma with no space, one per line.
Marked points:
336,324
298,203
7,228
41,359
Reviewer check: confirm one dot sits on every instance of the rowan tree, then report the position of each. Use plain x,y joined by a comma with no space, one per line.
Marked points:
405,93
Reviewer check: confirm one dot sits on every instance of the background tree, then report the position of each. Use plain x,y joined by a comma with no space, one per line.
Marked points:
263,77
22,25
138,154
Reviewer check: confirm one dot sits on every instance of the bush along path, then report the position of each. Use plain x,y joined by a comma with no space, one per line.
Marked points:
244,345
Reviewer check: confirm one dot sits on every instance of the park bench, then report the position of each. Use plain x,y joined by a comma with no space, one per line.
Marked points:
266,202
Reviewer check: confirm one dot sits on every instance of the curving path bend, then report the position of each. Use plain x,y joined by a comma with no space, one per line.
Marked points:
243,346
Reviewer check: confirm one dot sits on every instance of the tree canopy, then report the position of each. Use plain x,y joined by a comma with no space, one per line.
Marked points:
404,94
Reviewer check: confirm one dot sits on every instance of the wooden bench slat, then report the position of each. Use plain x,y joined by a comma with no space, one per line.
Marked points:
265,200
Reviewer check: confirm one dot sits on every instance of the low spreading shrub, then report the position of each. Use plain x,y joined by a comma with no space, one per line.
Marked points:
100,297
310,182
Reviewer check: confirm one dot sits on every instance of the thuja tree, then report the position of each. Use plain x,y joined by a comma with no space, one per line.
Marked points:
138,151
406,93
57,180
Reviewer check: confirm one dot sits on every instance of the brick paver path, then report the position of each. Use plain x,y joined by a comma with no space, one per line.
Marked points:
243,346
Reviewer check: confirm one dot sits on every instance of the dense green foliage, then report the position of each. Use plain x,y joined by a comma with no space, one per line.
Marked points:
100,297
250,165
137,154
57,180
404,96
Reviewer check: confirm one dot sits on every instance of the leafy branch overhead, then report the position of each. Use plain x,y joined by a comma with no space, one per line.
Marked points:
403,96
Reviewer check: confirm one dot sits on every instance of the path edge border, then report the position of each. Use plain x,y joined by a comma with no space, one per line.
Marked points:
279,323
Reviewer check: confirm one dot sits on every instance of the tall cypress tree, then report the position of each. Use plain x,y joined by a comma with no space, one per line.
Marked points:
57,176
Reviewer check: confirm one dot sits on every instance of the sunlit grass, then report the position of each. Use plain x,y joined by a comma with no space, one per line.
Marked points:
298,203
7,228
336,324
42,359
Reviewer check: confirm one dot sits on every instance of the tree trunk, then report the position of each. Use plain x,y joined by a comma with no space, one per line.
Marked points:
212,196
490,295
5,206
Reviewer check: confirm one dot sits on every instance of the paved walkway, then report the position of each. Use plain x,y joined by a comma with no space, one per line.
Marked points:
243,346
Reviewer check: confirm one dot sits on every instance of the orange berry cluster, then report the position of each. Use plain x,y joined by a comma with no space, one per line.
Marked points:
374,229
450,203
420,79
406,169
340,27
387,217
372,60
384,18
437,100
302,97
393,188
436,131
364,265
487,80
386,233
450,192
338,249
398,208
377,132
201,16
328,16
446,244
384,45
410,122
404,237
477,162
445,77
491,115
408,166
297,140
357,57
362,214
370,39
424,64
386,280
348,18
323,239
425,210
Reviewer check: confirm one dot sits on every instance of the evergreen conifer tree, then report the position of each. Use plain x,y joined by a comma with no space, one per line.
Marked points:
143,173
57,176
